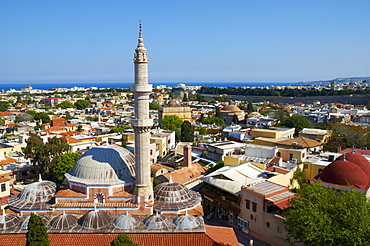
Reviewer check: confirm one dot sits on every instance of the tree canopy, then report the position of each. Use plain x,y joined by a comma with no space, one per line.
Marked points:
65,104
211,120
37,232
122,240
298,122
23,117
187,132
324,216
172,123
153,106
120,128
81,104
43,154
63,164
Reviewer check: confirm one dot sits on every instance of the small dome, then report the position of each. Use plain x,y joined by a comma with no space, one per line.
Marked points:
63,221
104,165
231,108
24,223
359,160
186,221
94,219
126,221
174,196
157,221
344,173
33,196
8,221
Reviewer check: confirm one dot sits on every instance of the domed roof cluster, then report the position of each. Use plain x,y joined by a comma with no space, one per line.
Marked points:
174,196
349,169
63,221
157,221
34,196
24,223
126,221
94,219
104,165
8,220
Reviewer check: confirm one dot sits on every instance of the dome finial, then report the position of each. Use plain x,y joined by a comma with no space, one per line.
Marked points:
140,30
344,156
3,210
40,179
95,209
170,181
353,149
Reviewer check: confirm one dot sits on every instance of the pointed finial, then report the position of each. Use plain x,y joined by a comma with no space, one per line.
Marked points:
353,149
170,181
139,25
40,179
64,212
95,210
3,212
344,156
186,212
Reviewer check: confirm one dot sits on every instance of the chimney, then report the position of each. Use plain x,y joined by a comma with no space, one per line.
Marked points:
187,156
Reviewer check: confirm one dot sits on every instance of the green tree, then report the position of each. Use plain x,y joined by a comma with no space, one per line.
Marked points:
218,112
81,104
4,106
324,216
2,121
185,98
44,117
65,104
187,132
37,232
153,106
298,122
120,128
202,131
235,119
63,164
172,123
250,107
280,117
122,240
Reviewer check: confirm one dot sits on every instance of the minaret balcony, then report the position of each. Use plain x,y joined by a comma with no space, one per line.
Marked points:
142,123
141,88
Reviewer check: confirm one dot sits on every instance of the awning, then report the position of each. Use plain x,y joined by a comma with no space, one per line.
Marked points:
282,204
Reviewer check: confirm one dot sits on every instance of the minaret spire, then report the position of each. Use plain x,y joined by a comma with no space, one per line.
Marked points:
142,123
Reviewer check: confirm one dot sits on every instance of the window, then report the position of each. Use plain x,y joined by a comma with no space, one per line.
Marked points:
252,217
99,198
254,207
3,187
247,204
268,224
305,166
290,156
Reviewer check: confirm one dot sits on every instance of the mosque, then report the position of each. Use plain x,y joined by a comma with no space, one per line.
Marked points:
109,190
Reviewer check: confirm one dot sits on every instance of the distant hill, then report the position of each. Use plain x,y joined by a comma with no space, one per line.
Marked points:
337,80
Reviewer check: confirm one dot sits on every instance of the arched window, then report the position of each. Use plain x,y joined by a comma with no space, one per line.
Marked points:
99,198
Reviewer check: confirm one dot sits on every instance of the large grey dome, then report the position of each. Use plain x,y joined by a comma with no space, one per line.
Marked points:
94,219
186,221
157,221
104,165
126,221
33,196
174,196
63,221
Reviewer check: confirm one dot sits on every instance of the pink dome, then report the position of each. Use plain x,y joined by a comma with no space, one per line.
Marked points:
359,160
344,173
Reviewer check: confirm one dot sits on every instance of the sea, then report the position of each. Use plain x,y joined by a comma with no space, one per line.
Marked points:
114,84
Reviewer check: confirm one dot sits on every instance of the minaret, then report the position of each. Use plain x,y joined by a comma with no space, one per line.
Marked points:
142,123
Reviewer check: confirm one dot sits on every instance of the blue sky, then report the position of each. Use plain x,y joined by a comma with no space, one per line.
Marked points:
187,41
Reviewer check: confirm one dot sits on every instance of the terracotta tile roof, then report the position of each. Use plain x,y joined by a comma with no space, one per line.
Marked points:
7,161
2,179
71,139
216,236
69,193
277,169
4,201
306,142
122,194
186,174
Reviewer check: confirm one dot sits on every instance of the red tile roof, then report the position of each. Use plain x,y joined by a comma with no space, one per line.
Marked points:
213,237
